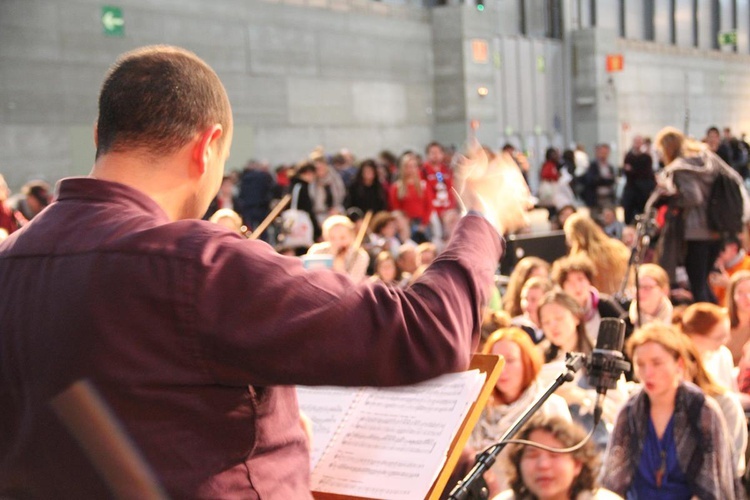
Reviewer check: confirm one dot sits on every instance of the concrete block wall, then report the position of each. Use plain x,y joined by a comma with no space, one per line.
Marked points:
660,85
299,73
675,86
595,100
360,74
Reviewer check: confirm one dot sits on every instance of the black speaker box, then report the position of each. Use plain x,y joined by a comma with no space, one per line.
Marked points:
548,246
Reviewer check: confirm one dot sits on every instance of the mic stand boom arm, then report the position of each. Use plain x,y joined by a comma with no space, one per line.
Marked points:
469,484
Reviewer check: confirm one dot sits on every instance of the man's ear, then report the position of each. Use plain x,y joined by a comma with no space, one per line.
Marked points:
207,145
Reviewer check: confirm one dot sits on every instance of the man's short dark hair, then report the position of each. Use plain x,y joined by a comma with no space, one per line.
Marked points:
433,144
156,99
712,129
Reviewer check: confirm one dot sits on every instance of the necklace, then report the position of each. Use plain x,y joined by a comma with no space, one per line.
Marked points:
662,470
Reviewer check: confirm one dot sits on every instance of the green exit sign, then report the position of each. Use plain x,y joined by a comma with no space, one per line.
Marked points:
728,38
113,23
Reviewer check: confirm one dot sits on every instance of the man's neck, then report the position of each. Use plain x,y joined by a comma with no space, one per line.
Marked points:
161,182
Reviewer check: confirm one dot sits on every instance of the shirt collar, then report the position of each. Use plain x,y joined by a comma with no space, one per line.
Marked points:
96,190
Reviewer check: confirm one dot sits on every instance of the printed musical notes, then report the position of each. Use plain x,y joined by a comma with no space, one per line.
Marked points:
388,442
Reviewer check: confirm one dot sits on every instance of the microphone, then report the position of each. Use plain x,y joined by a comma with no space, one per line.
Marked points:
607,363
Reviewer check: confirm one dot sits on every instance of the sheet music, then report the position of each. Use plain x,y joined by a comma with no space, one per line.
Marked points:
327,408
394,441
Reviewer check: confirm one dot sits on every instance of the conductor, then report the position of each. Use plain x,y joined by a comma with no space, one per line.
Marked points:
192,336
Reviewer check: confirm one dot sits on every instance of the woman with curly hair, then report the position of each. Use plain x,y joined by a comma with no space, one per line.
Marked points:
610,256
539,474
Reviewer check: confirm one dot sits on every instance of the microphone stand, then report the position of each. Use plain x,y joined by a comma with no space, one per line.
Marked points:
642,241
470,487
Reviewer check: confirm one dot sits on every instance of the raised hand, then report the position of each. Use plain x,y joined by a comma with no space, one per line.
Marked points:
496,188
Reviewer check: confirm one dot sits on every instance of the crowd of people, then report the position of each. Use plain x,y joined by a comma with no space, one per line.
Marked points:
169,302
682,311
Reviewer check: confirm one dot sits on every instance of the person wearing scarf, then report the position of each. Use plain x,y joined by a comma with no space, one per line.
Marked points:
669,441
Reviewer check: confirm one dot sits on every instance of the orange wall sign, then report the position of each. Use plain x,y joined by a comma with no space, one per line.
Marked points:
479,50
615,62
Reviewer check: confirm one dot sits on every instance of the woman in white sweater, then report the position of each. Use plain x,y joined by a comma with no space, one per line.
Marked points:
514,392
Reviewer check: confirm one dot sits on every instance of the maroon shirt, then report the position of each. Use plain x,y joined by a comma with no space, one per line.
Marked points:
193,336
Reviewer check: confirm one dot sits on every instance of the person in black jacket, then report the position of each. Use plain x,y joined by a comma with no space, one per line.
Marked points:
306,176
599,181
365,191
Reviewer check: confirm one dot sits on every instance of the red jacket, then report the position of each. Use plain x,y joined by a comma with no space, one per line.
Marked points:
549,172
440,179
414,205
7,218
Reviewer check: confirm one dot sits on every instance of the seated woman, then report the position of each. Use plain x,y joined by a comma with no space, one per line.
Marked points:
669,440
229,219
543,475
575,275
386,269
562,323
531,294
707,325
526,268
738,305
652,302
514,391
729,403
338,236
413,196
609,256
382,235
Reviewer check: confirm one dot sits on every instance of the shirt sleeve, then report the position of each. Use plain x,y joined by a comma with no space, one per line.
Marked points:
263,319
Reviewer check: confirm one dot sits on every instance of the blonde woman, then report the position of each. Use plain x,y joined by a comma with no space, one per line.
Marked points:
610,256
413,196
653,302
685,187
338,236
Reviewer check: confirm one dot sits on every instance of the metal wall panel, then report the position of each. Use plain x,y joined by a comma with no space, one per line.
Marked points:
555,121
743,26
584,13
726,21
725,16
509,18
635,12
683,20
608,15
527,75
662,21
536,17
498,96
540,88
705,30
511,78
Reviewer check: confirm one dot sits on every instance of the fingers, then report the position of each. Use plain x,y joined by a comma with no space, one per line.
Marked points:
495,187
